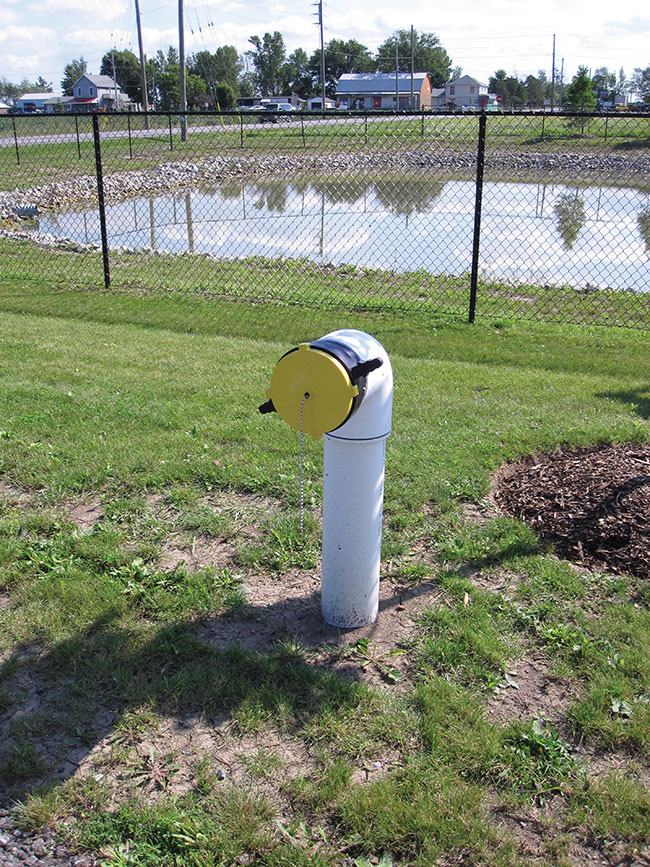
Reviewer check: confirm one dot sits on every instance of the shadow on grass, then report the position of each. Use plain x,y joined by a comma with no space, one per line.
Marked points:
61,703
638,398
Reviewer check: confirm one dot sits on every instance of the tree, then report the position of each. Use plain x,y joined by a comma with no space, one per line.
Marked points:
297,75
535,91
340,57
509,88
222,67
42,86
579,94
127,72
226,96
640,84
268,58
429,55
72,72
167,76
621,85
11,92
603,82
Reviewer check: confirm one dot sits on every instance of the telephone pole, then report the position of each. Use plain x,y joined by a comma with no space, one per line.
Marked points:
396,74
181,52
143,71
553,77
412,69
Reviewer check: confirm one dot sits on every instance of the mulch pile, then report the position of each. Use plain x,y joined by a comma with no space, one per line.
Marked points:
593,504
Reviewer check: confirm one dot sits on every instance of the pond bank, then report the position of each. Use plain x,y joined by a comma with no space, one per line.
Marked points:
573,167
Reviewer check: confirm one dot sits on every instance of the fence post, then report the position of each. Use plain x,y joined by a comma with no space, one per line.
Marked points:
480,164
302,127
128,120
365,129
543,122
241,130
100,200
13,123
422,125
606,119
76,126
171,141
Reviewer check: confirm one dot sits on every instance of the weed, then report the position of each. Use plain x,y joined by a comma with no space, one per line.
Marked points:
533,761
366,649
284,546
21,762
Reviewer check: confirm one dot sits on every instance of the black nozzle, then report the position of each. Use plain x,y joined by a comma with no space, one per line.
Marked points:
363,368
267,407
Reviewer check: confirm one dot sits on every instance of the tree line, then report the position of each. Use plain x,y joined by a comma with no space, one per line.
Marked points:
583,91
217,79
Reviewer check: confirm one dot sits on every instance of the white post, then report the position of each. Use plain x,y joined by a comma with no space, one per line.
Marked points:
353,495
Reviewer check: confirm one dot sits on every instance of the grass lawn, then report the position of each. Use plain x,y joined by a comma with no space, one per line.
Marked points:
168,692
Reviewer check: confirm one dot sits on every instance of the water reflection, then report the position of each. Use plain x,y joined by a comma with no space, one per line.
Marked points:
533,233
643,221
571,216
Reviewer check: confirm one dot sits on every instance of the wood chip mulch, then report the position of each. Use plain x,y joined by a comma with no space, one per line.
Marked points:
593,504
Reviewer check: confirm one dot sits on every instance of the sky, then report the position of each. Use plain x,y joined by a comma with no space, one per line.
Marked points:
39,38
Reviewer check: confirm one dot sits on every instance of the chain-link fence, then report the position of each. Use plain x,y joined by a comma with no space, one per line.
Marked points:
531,215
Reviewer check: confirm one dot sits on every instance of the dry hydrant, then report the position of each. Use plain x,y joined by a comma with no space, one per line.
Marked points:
341,386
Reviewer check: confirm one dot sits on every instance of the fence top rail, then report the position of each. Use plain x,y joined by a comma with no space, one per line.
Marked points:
334,113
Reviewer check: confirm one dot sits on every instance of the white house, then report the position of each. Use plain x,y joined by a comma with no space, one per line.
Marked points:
97,93
468,92
35,103
4,108
316,103
377,90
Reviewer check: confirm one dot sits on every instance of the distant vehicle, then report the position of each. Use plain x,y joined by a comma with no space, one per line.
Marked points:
273,111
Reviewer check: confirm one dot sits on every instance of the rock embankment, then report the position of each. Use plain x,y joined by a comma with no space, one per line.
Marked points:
435,160
19,849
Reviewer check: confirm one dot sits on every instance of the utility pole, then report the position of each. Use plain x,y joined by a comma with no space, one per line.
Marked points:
114,78
181,52
319,4
396,74
143,71
322,56
562,84
553,77
412,69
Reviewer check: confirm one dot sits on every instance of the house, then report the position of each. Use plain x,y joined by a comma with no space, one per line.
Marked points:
97,93
468,92
4,108
57,103
316,103
377,90
35,103
438,97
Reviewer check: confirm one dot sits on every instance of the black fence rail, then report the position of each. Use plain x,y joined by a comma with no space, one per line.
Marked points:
529,215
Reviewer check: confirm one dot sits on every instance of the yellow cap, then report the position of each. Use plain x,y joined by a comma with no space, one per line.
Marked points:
309,371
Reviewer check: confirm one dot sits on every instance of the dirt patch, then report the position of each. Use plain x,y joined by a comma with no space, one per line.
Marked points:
85,515
530,692
591,503
289,607
13,496
198,553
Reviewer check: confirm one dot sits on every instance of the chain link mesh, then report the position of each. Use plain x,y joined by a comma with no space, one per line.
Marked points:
363,212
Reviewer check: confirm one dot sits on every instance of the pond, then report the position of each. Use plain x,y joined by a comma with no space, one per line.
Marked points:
530,232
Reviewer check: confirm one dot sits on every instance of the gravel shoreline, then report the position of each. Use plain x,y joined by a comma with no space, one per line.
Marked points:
215,168
20,849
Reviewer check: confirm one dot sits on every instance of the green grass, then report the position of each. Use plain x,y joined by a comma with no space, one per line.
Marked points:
144,406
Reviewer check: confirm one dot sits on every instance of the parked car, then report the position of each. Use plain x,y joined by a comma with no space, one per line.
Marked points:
275,111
